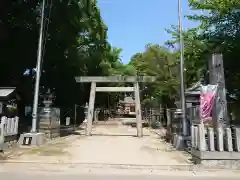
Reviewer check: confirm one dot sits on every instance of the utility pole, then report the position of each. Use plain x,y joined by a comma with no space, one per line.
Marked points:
182,83
38,72
35,138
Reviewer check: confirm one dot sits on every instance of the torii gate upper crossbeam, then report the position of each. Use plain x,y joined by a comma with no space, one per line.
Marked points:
112,79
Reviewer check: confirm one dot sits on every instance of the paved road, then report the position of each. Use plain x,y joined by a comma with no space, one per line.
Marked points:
45,176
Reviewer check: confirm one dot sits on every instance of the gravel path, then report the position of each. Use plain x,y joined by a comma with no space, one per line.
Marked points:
110,144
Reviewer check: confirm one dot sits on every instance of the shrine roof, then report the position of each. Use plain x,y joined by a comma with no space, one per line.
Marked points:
6,91
127,100
194,89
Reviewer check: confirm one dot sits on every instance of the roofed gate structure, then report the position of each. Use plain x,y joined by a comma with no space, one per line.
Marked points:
110,79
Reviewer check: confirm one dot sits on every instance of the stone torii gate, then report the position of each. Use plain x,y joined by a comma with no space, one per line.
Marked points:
110,79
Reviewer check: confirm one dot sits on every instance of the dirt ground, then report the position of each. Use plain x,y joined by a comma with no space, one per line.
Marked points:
111,143
112,149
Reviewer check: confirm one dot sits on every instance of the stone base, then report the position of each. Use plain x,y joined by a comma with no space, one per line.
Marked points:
219,164
215,155
3,146
31,139
180,142
216,159
8,142
83,125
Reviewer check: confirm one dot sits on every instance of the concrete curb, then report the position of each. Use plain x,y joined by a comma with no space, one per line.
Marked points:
197,168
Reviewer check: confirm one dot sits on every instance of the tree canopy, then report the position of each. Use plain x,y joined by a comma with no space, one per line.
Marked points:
217,32
75,44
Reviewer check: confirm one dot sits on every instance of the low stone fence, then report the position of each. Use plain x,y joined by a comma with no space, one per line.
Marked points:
8,130
215,144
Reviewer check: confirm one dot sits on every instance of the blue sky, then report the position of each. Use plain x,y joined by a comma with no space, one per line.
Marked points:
134,23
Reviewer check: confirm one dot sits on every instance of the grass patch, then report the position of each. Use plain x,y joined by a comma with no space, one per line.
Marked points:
48,151
52,152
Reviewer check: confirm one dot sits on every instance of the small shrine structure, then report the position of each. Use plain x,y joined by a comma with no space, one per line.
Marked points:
8,101
128,105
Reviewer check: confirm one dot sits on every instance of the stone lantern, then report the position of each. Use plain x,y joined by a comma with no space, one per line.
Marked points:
49,121
177,121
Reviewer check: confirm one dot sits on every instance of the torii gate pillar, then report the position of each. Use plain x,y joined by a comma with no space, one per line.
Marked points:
138,110
91,108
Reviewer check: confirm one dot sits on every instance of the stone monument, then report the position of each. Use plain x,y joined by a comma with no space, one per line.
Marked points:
216,76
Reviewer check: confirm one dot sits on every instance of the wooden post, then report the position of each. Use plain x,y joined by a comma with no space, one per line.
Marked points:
91,108
138,110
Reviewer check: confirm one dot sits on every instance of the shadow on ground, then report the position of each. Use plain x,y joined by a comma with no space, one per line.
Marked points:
71,131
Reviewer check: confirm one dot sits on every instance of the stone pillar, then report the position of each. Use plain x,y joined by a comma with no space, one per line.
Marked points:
2,131
237,139
96,115
220,145
196,138
67,123
201,138
211,144
229,141
138,110
193,137
216,76
91,108
16,124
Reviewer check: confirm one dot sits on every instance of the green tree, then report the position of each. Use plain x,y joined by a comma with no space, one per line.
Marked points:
218,32
75,44
157,61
